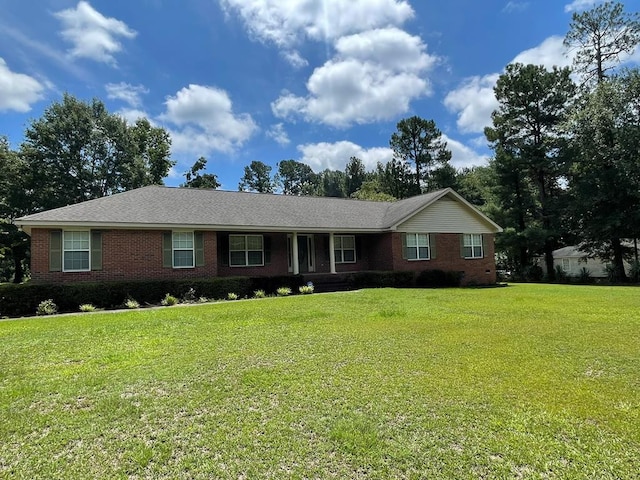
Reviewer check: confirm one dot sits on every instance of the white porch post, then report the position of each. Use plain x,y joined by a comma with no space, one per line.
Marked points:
332,253
294,254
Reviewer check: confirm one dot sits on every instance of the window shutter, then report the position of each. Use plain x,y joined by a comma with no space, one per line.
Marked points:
404,246
462,245
223,250
358,246
96,250
484,246
432,246
267,249
167,250
198,243
55,251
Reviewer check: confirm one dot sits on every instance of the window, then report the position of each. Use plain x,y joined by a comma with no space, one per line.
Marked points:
472,245
183,251
246,250
76,251
417,247
345,248
566,265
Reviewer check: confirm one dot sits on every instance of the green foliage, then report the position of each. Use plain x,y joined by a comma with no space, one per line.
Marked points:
306,289
439,278
195,179
87,307
168,300
381,279
259,294
78,151
600,37
297,178
584,276
232,296
47,307
131,304
560,275
333,183
355,175
634,271
283,291
189,296
418,141
257,178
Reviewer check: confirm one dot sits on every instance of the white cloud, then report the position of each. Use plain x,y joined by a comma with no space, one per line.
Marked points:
131,115
93,35
579,5
205,121
463,156
287,22
335,156
550,53
374,76
130,94
512,7
18,90
295,59
474,101
278,133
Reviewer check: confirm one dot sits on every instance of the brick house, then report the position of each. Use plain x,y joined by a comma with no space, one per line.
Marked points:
178,233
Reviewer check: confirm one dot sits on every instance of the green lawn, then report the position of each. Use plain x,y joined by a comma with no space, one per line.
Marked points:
529,381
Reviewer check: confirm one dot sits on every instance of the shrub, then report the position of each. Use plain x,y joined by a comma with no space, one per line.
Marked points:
259,294
168,300
203,300
131,303
189,296
47,307
306,289
439,278
283,291
87,307
584,276
232,296
634,271
561,274
382,279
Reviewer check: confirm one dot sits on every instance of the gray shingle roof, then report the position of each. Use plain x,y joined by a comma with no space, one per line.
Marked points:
158,206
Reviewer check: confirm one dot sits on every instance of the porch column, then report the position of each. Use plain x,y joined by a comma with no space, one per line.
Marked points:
294,254
332,253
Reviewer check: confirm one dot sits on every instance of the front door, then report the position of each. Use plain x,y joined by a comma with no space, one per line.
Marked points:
306,254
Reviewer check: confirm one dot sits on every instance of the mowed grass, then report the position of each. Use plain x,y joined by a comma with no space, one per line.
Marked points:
529,381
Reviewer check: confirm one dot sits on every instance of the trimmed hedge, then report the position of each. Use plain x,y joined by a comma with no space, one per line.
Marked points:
23,300
439,278
382,279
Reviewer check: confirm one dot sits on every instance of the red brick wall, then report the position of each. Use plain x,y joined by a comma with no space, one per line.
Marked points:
279,264
479,271
126,255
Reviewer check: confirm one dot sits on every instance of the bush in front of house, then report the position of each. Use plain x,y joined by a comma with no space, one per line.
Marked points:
439,278
375,279
87,307
169,300
283,291
47,307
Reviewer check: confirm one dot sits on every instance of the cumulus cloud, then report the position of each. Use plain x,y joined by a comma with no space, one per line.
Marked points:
462,155
278,133
130,94
474,101
286,23
579,5
335,156
18,91
204,121
512,7
91,34
374,76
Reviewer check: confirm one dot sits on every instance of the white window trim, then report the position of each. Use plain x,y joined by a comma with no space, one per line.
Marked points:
473,245
174,249
246,252
64,250
417,247
340,257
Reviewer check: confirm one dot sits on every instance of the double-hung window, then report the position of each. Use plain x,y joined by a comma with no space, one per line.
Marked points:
472,245
345,248
246,250
417,247
76,250
183,251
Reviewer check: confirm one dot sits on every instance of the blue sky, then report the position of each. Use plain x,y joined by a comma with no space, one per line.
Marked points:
312,80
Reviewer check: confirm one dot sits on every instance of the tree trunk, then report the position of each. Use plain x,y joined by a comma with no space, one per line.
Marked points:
17,263
548,260
618,261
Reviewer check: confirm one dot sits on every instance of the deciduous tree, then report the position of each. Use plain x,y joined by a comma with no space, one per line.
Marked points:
257,178
195,179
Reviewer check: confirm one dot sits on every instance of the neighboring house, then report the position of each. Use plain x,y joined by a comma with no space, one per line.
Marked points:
173,233
572,261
